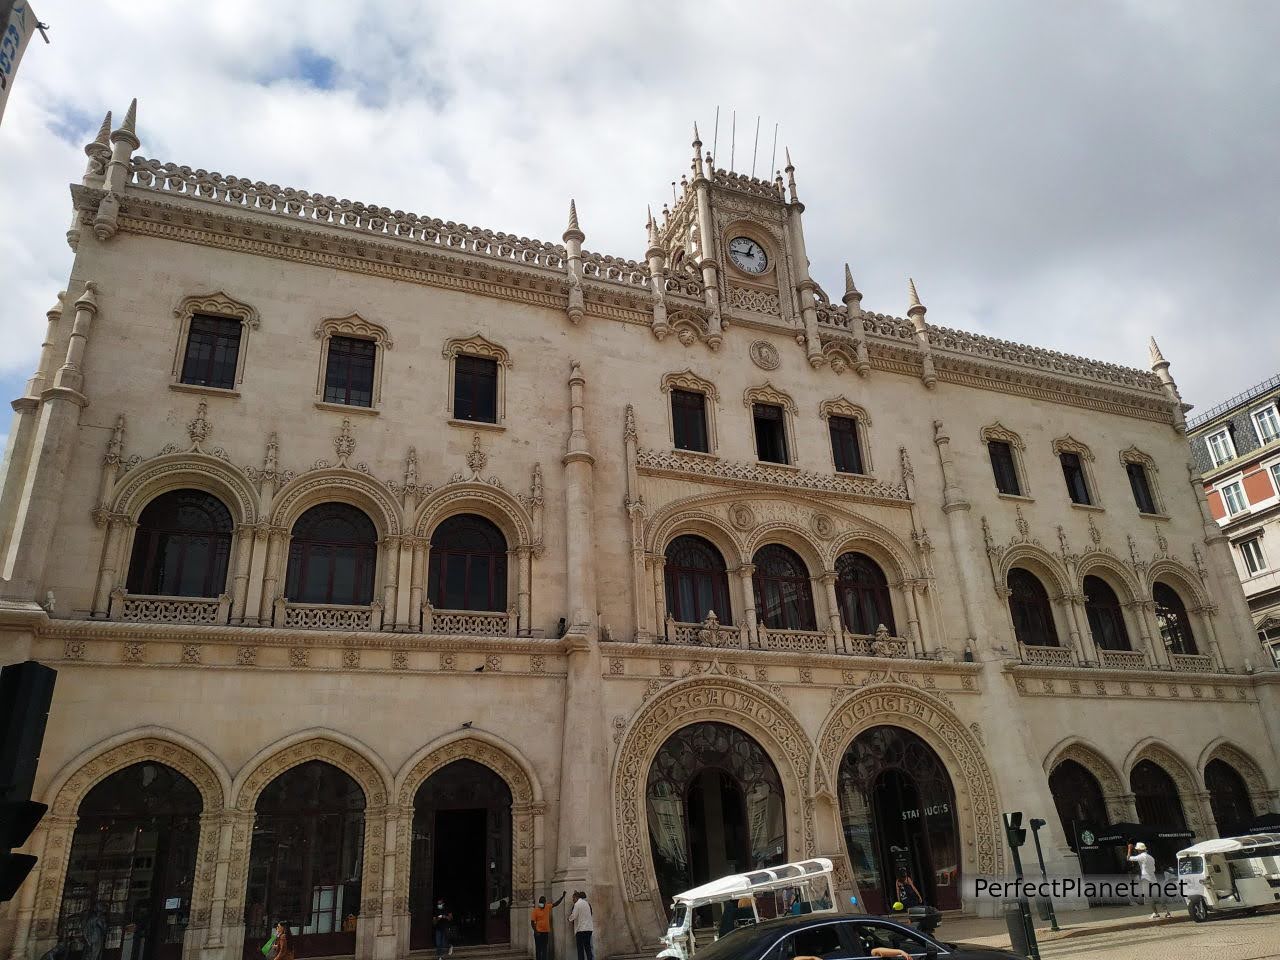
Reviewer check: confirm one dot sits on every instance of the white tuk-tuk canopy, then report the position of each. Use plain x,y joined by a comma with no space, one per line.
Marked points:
757,881
1247,843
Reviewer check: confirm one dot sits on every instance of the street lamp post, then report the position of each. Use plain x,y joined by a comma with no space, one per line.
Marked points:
1036,824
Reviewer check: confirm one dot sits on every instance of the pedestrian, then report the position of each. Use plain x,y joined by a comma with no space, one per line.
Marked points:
907,891
540,922
282,943
1137,853
583,925
440,921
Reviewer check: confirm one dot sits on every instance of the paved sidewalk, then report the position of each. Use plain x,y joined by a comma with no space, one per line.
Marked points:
991,931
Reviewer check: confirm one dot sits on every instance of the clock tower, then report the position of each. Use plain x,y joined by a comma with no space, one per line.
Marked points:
741,241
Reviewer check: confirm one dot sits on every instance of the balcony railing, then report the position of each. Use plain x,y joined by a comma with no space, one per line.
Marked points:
712,633
1192,663
795,641
709,633
1123,659
142,608
1045,656
470,623
328,616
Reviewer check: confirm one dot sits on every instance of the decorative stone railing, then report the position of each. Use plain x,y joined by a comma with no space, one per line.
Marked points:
1192,663
599,266
327,616
767,189
140,608
880,644
1123,659
685,284
741,471
709,633
470,623
795,641
1047,656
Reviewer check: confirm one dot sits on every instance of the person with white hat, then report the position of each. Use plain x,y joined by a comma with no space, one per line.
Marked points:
1147,867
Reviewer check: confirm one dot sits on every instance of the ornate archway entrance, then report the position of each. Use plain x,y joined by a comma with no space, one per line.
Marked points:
462,855
714,804
898,810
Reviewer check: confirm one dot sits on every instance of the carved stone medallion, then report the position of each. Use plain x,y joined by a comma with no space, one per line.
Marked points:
764,355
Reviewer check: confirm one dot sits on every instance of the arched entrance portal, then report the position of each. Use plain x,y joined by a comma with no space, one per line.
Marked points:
898,809
133,856
715,807
1082,811
306,861
462,854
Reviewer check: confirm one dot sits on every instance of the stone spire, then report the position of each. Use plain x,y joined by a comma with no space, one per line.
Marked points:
573,232
851,291
657,256
573,237
790,169
853,303
1160,367
124,140
128,129
1157,358
916,312
913,300
697,152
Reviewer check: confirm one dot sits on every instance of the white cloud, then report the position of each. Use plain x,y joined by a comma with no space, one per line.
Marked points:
1072,176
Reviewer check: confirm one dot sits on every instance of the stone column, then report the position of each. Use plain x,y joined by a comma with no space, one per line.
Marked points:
55,437
745,573
420,547
1206,615
524,572
1078,628
271,573
224,822
956,507
389,568
913,612
403,620
386,943
834,625
1142,614
240,579
658,565
117,527
257,573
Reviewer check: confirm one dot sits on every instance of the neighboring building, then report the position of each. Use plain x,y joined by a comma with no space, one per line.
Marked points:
385,559
1235,447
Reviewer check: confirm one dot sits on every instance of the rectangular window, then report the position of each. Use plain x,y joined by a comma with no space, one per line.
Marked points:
1221,447
475,389
348,376
1275,478
1140,483
844,444
213,346
1004,467
1266,423
689,420
1233,497
771,433
1073,473
1254,561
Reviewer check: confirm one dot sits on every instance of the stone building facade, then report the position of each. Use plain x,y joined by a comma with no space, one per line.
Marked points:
1235,447
362,540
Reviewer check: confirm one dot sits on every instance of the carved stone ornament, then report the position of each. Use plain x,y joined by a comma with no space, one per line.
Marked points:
477,345
822,526
1132,454
764,355
998,431
354,325
843,407
1070,444
741,517
218,305
688,380
768,393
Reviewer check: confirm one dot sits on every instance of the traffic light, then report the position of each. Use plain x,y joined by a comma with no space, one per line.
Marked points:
1014,830
26,691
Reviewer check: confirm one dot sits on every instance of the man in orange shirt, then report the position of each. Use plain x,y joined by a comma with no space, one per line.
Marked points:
540,921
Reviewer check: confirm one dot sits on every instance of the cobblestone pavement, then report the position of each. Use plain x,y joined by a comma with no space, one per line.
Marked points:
1234,938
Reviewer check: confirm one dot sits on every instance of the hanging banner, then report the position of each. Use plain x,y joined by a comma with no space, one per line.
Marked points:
18,28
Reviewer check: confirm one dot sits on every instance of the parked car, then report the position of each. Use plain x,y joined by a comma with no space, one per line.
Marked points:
840,937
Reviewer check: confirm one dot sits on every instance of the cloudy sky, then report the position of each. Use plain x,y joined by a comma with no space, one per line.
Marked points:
1077,175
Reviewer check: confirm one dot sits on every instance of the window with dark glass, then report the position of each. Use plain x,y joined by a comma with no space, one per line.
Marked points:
306,860
475,389
1228,798
1156,798
696,581
862,591
1171,615
1140,484
689,420
771,433
1106,620
1004,467
348,375
1073,473
1030,609
468,569
784,595
181,547
213,347
844,444
332,556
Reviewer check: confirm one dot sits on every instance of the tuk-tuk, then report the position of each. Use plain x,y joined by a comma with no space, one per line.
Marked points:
1231,874
790,888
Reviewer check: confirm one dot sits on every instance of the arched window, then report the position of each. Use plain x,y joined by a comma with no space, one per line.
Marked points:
1159,804
1106,620
863,594
696,581
1228,797
1171,615
332,556
784,595
182,545
468,565
1030,609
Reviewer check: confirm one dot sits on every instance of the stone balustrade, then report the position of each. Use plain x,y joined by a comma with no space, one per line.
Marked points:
328,616
142,608
1192,663
469,623
1047,656
1123,659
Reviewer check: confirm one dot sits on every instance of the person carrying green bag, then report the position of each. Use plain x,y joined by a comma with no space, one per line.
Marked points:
280,946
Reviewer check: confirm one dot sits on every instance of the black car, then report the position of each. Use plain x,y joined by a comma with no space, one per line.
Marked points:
831,936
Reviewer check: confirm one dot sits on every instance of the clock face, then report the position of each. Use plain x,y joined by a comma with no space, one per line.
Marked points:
747,255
